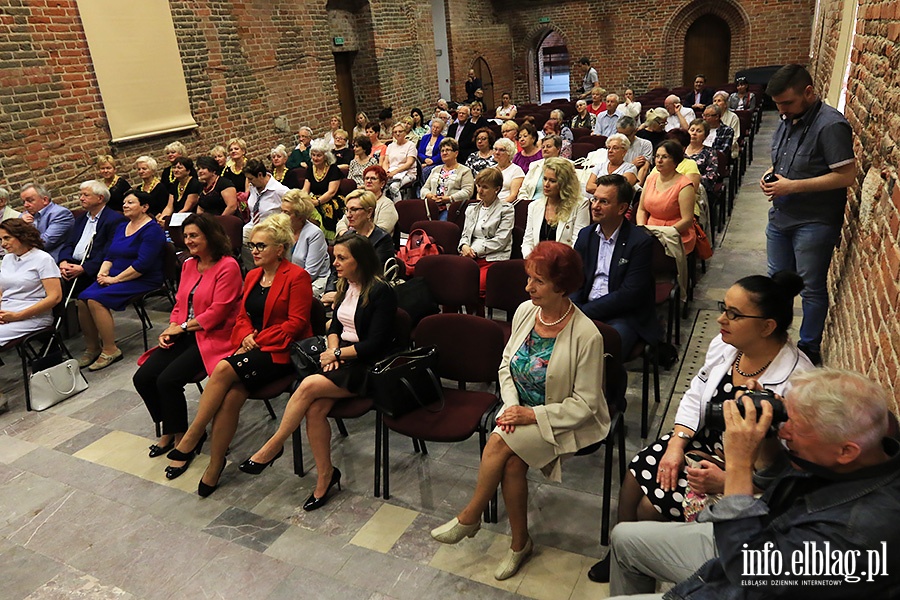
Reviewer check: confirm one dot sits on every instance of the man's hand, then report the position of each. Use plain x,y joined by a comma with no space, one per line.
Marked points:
70,271
742,439
639,161
782,186
27,217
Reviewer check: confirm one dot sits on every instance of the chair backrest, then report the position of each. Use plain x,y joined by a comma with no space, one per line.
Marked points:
346,186
410,211
615,380
521,218
746,119
176,234
460,216
505,286
581,150
579,132
663,266
445,233
452,279
724,164
469,348
317,317
234,229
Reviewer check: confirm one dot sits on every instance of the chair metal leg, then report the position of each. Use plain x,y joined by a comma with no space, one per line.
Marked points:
377,477
655,359
607,491
645,393
269,408
386,460
423,448
297,439
23,354
341,427
622,457
158,429
415,446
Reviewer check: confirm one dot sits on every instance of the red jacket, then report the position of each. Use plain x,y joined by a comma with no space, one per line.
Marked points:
215,305
286,316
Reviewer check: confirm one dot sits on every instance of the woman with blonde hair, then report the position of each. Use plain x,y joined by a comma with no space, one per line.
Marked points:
234,167
562,211
220,155
118,186
310,250
360,127
147,169
172,151
274,311
334,123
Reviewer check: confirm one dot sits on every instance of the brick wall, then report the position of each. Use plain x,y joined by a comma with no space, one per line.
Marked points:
250,66
863,328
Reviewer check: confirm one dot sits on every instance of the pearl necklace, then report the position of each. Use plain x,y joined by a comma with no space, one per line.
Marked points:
737,366
559,320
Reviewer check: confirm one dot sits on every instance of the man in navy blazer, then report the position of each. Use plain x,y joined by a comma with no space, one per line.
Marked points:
618,288
51,220
90,237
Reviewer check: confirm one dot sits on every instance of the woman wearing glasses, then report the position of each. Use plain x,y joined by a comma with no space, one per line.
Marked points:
274,311
752,348
513,175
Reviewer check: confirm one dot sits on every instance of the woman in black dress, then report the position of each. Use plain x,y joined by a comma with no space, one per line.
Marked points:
151,183
322,181
118,186
361,333
186,192
218,195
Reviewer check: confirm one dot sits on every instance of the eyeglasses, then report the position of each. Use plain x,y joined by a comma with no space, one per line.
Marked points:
371,179
733,315
499,149
256,247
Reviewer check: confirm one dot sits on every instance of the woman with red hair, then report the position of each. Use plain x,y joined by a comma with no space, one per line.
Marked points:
551,384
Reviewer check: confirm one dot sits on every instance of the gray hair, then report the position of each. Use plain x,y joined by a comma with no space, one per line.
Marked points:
557,140
842,406
672,98
320,145
622,139
4,194
149,161
280,150
98,188
306,129
714,108
626,122
175,147
558,114
41,190
721,93
443,122
608,96
508,145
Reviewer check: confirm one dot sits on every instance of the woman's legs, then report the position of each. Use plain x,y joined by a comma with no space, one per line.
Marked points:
223,427
634,504
493,464
515,497
318,430
161,380
105,327
86,321
311,389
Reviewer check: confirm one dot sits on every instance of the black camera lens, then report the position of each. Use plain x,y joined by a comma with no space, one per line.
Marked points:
770,178
715,414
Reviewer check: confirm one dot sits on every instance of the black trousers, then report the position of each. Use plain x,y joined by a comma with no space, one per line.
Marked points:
161,380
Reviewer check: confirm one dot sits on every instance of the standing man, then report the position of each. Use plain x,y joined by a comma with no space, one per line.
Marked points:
812,166
51,220
590,80
472,83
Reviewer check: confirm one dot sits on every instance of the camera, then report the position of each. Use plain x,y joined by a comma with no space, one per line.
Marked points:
715,416
770,178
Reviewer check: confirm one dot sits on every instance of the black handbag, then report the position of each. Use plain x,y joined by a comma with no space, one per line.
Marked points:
416,299
305,355
406,382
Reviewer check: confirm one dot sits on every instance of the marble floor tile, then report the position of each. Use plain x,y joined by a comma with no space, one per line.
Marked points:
25,496
448,585
385,527
83,439
53,430
245,528
477,558
109,407
22,571
13,448
73,584
310,550
550,522
416,543
382,573
342,517
235,572
66,469
304,583
585,589
553,573
283,501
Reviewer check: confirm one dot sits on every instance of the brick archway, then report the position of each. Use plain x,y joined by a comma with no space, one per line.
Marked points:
528,85
729,11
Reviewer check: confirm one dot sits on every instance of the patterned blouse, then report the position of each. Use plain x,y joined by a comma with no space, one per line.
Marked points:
528,368
478,164
708,163
355,172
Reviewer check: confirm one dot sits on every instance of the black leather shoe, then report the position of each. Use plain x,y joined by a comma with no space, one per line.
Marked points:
252,467
313,503
203,489
599,573
177,454
157,450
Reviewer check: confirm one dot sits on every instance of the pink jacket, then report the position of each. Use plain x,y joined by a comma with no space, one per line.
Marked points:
216,303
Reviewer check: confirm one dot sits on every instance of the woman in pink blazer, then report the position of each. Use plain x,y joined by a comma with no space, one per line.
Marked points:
199,331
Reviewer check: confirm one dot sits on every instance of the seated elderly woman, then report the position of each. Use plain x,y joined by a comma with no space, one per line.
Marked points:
362,159
151,184
673,478
199,331
617,146
6,211
563,129
118,186
451,182
234,167
361,205
556,127
668,197
361,333
513,175
399,162
343,153
220,155
386,217
279,155
653,129
706,158
483,157
29,282
561,212
429,151
529,151
132,266
323,179
487,233
583,119
219,196
510,131
274,311
310,250
553,403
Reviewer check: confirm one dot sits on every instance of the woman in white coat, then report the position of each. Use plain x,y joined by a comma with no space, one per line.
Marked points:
551,384
562,211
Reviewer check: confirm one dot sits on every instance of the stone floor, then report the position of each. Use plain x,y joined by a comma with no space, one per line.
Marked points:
84,513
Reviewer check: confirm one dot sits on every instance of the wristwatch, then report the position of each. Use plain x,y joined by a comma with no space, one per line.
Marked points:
337,352
184,326
684,436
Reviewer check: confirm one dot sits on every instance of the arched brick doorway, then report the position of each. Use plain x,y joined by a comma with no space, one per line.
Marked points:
707,50
553,67
483,72
533,45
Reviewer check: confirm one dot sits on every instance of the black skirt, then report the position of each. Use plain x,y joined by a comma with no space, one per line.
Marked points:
257,369
352,376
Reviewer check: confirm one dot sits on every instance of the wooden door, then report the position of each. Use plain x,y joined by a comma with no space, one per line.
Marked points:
343,65
483,72
707,50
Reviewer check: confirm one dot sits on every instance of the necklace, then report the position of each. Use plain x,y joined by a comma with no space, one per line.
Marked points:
153,183
316,173
112,183
209,187
556,322
171,176
267,279
182,187
737,366
279,178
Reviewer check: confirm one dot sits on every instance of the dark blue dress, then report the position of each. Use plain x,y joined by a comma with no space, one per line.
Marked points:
142,250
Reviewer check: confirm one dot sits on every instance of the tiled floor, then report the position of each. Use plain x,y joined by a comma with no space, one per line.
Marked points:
84,513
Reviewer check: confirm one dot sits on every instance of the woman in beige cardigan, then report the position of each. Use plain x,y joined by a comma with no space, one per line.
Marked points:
450,181
551,384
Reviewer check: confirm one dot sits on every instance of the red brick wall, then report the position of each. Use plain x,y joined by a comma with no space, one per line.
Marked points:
863,328
475,30
249,66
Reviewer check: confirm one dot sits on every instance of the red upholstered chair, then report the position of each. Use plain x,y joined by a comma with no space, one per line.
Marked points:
445,233
410,211
505,290
582,149
234,229
452,280
521,208
469,351
580,132
346,186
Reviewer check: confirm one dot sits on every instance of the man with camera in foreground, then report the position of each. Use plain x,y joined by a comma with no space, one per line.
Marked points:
826,525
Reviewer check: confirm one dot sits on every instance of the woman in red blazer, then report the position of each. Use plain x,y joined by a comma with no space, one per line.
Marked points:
199,331
274,312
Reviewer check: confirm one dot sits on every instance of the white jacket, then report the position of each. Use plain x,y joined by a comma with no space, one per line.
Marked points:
566,231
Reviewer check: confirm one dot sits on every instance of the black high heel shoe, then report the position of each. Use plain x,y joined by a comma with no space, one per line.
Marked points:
251,467
157,450
313,503
204,490
188,458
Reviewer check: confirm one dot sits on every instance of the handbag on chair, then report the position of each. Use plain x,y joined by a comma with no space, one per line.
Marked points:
407,381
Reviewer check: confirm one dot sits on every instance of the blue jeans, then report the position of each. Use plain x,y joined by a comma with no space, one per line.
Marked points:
627,334
807,250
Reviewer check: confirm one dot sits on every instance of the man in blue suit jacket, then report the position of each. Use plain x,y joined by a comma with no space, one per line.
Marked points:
89,238
51,220
618,288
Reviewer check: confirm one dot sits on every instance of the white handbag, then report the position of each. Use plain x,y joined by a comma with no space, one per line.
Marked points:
52,385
